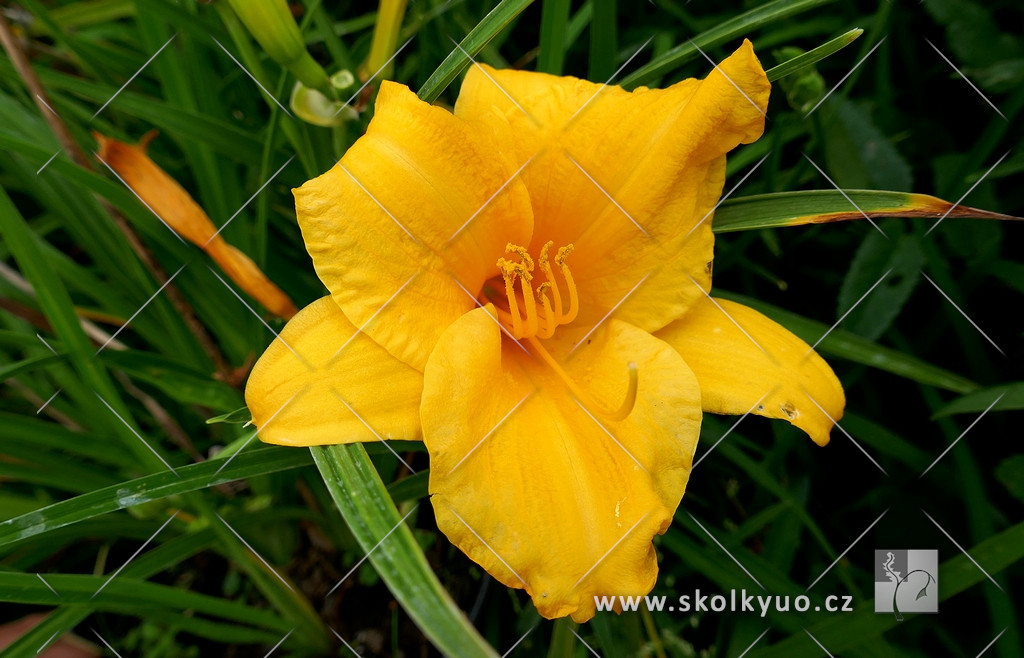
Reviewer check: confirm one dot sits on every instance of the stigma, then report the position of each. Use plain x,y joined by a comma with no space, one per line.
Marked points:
537,312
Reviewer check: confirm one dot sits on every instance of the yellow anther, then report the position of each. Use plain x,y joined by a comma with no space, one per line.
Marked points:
522,253
563,253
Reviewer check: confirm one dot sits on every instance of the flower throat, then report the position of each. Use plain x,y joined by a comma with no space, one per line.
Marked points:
532,324
530,321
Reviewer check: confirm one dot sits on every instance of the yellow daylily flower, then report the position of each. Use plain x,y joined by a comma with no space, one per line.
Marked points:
524,284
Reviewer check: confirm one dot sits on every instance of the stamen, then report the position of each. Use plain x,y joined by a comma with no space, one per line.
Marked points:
549,317
574,299
581,396
528,301
545,267
525,320
508,273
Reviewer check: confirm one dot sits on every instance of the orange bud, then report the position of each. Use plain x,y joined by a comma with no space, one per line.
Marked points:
173,205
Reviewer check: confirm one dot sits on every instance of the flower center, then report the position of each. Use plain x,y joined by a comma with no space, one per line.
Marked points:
529,322
525,322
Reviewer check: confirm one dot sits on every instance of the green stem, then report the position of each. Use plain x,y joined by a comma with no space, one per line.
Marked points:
563,638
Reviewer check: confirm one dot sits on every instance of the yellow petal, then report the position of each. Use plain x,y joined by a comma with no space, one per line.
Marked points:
659,153
383,221
762,368
323,382
535,490
171,203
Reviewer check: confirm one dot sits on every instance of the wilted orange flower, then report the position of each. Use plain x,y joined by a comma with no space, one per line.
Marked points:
172,203
523,284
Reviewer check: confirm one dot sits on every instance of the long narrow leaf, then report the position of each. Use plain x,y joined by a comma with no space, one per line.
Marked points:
825,206
392,549
478,37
